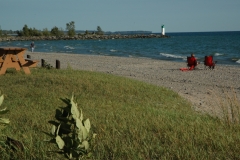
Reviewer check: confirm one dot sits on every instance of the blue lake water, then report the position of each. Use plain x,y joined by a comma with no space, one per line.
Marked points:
224,46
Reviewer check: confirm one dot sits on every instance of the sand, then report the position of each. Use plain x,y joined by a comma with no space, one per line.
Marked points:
204,88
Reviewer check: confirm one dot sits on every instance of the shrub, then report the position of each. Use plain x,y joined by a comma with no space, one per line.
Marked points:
71,132
47,65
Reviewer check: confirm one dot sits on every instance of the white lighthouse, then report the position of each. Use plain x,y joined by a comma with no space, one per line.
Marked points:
163,30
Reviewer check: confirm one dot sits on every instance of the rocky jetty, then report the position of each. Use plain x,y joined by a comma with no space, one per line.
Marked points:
80,37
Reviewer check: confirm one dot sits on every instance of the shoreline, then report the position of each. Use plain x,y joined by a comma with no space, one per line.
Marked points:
203,88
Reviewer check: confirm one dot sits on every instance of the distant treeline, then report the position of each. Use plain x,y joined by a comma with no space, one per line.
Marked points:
59,32
55,31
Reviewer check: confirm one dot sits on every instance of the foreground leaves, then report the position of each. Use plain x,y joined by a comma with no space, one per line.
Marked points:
70,132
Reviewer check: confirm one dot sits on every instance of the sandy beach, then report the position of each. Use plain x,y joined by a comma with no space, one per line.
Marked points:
202,87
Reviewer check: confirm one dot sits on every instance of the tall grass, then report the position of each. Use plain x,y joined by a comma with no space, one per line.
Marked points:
132,119
228,106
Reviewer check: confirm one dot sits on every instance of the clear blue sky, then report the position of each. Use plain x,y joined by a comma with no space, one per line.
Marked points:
122,15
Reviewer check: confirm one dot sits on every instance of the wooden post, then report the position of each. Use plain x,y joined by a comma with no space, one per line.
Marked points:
28,56
43,62
57,64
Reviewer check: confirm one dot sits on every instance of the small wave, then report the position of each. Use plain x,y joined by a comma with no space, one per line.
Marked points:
112,50
68,47
134,56
238,61
171,55
65,51
218,54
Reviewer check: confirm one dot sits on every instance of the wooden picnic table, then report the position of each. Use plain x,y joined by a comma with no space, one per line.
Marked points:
13,57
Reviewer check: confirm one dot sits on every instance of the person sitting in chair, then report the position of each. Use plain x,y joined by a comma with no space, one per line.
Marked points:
192,62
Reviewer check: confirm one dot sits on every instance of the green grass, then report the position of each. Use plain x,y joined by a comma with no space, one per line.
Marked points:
132,119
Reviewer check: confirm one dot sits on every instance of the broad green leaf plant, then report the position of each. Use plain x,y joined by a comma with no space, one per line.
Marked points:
71,132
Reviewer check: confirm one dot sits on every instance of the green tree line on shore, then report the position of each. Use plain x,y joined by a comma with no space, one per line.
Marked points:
55,31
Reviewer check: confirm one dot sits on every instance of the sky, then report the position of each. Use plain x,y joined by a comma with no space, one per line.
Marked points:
122,15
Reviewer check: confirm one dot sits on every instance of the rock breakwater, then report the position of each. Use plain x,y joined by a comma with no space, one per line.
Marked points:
80,37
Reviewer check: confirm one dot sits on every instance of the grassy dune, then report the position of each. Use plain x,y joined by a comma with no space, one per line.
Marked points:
132,119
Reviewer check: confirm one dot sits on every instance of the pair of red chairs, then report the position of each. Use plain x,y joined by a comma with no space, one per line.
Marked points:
208,62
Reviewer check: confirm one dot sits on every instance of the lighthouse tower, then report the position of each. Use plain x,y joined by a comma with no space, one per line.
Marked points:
163,30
